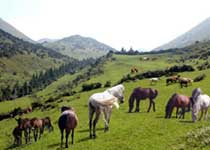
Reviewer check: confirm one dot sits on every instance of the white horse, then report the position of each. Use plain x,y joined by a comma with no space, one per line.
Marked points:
201,102
154,80
104,102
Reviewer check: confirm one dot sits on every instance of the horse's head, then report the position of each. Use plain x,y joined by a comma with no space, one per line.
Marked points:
64,108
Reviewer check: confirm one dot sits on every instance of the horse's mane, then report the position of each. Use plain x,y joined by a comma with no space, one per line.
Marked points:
110,102
170,100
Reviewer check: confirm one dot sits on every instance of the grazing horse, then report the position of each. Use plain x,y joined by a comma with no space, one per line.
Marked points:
178,101
195,93
47,124
172,79
185,82
38,127
139,94
134,70
154,80
68,122
25,125
104,102
17,134
201,102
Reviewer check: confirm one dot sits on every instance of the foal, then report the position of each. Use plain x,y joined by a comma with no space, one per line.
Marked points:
38,126
68,121
17,134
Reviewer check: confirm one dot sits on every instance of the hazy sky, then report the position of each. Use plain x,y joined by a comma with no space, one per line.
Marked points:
119,23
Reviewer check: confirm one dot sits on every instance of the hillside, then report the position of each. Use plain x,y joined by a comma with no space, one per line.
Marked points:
79,47
134,131
13,31
200,33
20,59
46,40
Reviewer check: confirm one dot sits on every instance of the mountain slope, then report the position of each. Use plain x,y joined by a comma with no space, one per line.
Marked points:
199,33
20,59
80,47
46,40
13,31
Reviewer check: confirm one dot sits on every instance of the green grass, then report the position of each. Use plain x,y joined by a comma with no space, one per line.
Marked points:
130,131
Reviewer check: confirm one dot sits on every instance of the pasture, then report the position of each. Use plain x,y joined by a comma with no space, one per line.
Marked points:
130,131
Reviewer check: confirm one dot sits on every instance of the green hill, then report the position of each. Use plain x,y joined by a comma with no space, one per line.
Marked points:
149,131
20,59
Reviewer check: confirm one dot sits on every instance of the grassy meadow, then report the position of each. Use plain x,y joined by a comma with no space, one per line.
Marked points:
129,131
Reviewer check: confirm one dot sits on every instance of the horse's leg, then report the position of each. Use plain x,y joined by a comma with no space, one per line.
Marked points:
98,112
105,112
171,112
67,136
26,136
153,103
150,104
72,136
177,111
183,112
61,137
206,114
201,114
91,113
137,105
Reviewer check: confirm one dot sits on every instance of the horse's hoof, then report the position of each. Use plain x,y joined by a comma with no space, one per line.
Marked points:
94,136
91,136
136,110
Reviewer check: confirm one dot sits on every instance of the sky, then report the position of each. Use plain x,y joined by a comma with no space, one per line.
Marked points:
140,24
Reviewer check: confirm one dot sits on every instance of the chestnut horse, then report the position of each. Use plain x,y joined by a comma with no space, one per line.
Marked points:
172,79
185,82
68,121
38,127
139,94
17,134
47,124
178,101
25,125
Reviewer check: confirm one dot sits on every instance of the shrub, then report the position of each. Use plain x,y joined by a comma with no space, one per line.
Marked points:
107,84
199,78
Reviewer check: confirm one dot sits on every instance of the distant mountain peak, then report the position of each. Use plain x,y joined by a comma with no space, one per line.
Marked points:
13,31
80,47
200,33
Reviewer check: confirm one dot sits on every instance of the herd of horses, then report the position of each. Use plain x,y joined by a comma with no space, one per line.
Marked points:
103,103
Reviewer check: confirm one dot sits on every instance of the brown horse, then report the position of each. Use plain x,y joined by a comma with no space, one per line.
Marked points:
178,101
17,134
185,82
134,70
47,124
38,127
25,125
141,94
172,79
68,121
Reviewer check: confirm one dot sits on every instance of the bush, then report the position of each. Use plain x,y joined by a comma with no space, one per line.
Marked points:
107,84
199,78
88,87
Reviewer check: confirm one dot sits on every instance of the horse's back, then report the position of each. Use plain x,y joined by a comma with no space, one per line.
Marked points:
68,120
204,100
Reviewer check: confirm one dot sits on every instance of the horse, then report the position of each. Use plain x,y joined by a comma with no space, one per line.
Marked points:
172,79
195,93
25,125
104,102
38,127
47,123
178,101
139,94
201,102
154,80
17,134
185,82
68,121
27,110
134,70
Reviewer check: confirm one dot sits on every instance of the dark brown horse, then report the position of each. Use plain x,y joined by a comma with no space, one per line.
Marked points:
172,79
17,134
38,127
25,125
68,122
185,82
47,123
141,94
178,101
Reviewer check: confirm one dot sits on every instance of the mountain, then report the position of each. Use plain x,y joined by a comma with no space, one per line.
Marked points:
19,59
80,47
46,40
13,31
200,33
